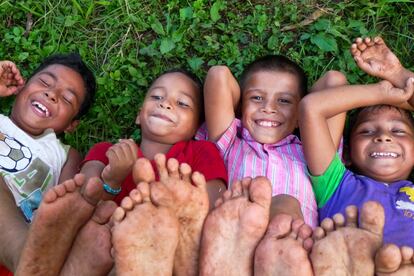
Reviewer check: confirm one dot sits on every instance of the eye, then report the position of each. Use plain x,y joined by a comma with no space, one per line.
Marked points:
183,104
256,98
284,101
366,132
44,82
156,97
398,131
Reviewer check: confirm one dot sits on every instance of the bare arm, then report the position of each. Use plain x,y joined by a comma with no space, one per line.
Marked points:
71,166
221,97
215,189
336,123
317,108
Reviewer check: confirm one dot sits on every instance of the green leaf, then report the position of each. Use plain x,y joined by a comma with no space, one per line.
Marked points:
272,43
261,25
325,42
195,63
133,72
186,13
215,11
167,45
23,56
157,27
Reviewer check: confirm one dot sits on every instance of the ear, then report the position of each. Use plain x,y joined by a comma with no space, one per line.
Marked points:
71,127
138,118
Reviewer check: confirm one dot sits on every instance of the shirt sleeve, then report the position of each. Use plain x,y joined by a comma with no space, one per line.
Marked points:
228,137
207,160
325,185
98,153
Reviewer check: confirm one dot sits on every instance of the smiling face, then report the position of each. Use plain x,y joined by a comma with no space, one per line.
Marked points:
270,105
51,99
171,109
382,144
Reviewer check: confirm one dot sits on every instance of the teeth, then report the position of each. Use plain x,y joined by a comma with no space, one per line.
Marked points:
268,123
41,107
384,154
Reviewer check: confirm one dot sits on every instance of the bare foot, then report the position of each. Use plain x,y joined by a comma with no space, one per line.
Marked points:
343,248
63,211
91,252
375,58
144,236
284,249
391,260
234,228
190,204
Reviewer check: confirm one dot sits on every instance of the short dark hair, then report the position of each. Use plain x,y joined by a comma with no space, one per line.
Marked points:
194,78
275,63
75,62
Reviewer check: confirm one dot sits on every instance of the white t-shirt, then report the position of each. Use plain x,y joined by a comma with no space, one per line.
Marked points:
29,165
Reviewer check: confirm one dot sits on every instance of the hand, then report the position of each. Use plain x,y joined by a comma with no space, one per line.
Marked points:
375,58
397,96
122,157
11,80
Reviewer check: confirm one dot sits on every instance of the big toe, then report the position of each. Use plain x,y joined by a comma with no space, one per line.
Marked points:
388,259
260,191
93,191
372,217
104,211
279,226
143,171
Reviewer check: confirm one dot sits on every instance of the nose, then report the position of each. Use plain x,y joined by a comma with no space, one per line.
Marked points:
383,138
51,96
165,104
269,107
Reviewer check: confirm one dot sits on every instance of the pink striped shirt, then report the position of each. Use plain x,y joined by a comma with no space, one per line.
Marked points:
283,163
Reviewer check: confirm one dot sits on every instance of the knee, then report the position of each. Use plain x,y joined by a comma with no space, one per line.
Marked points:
335,78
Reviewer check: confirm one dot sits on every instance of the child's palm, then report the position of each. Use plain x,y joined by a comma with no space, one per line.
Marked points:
10,79
375,58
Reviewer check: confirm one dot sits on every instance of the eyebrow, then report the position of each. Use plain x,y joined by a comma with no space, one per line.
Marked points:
55,78
182,92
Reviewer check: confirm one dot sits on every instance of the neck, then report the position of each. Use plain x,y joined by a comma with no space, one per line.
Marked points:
150,148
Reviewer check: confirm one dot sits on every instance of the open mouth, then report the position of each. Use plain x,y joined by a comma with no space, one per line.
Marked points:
266,123
377,154
41,108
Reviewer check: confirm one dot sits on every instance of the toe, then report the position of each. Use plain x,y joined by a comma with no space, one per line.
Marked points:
143,171
372,217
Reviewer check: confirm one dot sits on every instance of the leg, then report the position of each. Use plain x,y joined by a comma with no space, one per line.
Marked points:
144,235
284,249
13,229
394,261
342,248
91,251
234,228
63,211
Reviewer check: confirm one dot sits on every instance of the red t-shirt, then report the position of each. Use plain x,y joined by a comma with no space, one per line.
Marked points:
4,271
202,156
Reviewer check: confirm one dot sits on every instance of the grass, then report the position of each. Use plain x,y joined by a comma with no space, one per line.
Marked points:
129,43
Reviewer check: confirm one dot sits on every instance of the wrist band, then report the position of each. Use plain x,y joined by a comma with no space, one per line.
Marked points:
110,190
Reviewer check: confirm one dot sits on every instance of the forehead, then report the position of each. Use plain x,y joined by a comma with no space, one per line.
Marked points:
65,76
273,81
382,115
179,82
